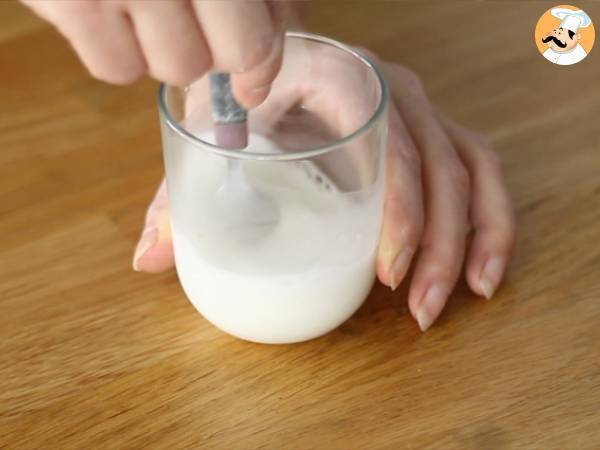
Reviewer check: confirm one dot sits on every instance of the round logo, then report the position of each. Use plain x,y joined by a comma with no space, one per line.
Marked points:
565,35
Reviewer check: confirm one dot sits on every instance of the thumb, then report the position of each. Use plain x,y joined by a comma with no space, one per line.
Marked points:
252,87
154,251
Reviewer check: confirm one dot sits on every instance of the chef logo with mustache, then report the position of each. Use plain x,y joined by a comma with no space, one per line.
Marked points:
565,35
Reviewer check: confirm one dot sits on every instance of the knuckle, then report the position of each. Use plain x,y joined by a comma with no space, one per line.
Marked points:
480,140
442,264
459,177
443,258
409,156
483,145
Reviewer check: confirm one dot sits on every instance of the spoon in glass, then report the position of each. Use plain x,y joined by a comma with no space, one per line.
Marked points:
248,213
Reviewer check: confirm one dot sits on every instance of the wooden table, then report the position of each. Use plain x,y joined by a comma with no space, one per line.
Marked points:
94,355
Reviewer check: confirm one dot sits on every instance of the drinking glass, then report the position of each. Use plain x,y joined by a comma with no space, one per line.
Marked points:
277,243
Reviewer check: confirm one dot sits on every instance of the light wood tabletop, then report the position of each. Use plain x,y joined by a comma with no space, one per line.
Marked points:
95,355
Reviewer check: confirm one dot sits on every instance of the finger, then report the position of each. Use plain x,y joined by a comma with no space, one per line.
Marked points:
252,88
243,38
491,211
114,56
403,207
154,251
171,39
446,201
403,219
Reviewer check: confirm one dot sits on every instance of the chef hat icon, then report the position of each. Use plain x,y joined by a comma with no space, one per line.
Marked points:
570,19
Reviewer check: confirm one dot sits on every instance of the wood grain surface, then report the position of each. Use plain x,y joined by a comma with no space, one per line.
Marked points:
94,355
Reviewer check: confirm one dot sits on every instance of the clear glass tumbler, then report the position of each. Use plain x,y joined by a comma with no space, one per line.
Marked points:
276,243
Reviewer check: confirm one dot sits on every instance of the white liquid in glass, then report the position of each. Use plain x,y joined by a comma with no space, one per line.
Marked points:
304,277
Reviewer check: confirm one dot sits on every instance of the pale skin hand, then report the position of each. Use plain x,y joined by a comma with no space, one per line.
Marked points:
443,181
175,41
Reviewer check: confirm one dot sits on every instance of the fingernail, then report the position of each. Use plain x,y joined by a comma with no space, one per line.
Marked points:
431,306
490,277
400,267
254,97
147,241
